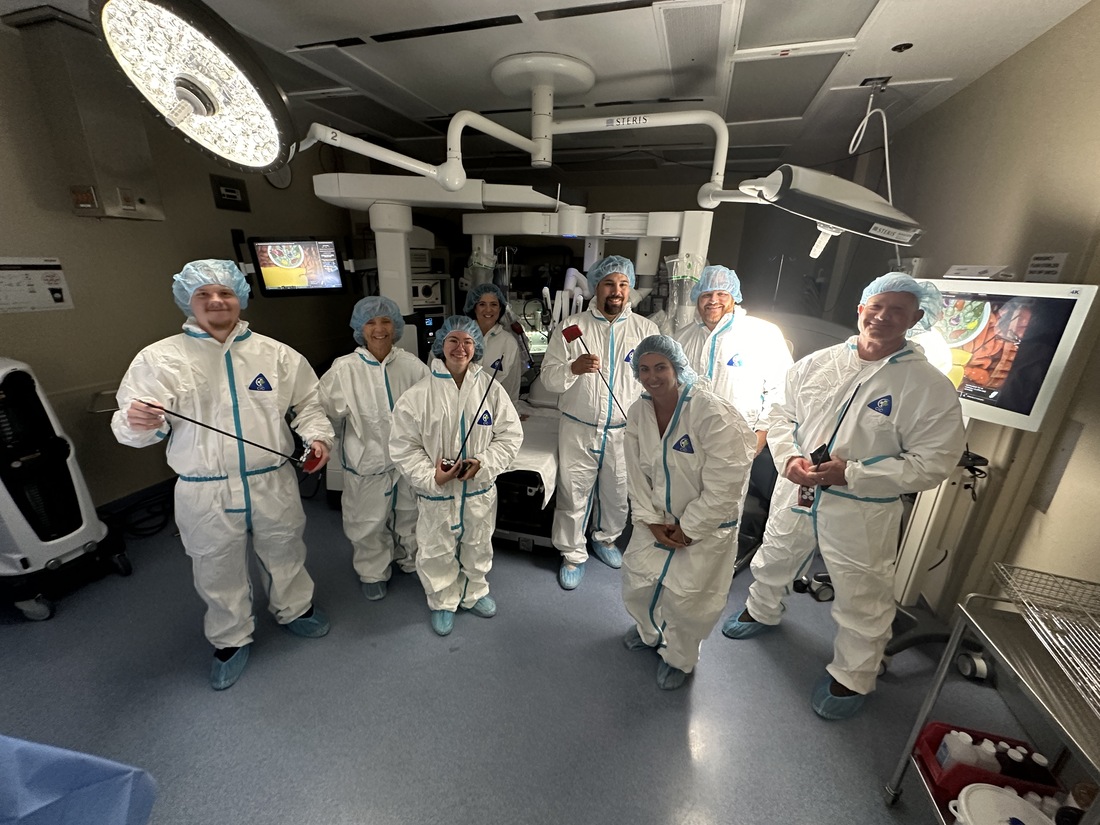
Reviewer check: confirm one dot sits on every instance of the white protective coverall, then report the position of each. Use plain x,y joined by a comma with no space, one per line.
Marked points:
693,476
501,344
591,466
903,433
378,506
226,488
454,528
745,359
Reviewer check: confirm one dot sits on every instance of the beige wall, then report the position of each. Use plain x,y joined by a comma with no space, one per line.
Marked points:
119,272
1007,168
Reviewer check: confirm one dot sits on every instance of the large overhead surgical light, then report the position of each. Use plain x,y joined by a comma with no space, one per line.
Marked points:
835,204
202,77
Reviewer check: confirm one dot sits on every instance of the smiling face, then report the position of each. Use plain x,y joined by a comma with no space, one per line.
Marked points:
216,309
458,351
487,311
713,306
612,293
378,335
657,375
885,318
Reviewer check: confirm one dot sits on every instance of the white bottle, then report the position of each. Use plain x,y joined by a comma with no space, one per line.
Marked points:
1033,798
956,749
987,757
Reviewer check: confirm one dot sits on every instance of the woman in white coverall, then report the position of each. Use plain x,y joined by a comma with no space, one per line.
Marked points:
687,456
458,414
221,373
902,432
358,393
485,303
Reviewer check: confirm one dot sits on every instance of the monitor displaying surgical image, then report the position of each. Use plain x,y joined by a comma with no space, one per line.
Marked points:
293,266
1009,344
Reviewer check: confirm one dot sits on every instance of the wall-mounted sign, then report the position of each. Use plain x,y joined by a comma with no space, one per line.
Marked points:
32,285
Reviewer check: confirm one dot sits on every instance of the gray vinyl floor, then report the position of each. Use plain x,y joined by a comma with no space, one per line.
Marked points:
538,715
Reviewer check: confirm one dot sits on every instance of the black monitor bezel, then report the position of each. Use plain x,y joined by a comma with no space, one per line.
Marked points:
275,292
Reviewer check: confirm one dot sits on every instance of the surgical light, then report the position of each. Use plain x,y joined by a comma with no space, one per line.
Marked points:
201,77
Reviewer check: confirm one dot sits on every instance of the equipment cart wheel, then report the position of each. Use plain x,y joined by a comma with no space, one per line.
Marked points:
37,609
120,562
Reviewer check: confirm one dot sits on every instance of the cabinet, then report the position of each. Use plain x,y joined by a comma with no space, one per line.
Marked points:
1021,658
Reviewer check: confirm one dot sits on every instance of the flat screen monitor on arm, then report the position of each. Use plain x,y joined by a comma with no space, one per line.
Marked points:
1010,343
296,266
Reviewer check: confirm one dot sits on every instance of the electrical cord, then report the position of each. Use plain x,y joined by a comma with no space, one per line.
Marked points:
857,138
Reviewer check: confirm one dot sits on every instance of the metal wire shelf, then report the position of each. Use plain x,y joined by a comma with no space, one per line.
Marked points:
1064,614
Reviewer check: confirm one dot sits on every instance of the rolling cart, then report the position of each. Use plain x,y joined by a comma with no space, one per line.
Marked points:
47,519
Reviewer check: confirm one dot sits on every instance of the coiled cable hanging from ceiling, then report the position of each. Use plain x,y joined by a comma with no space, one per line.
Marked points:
857,138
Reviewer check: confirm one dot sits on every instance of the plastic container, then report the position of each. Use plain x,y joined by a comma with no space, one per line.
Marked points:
982,804
948,782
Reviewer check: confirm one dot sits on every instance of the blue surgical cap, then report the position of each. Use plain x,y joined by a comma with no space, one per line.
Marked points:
462,324
375,306
610,264
479,292
204,272
670,348
717,279
928,295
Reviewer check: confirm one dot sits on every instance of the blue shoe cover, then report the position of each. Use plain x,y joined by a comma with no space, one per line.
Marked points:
832,707
224,674
569,579
485,607
314,627
609,554
669,677
632,640
374,591
734,628
443,621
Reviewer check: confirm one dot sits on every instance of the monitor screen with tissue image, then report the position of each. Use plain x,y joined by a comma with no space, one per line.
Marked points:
296,266
1010,344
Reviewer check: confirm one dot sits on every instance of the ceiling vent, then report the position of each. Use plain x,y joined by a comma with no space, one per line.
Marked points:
598,8
692,39
95,123
452,28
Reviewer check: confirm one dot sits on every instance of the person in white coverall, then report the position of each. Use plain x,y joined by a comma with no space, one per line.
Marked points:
458,414
358,394
219,372
485,303
687,456
591,467
901,431
745,358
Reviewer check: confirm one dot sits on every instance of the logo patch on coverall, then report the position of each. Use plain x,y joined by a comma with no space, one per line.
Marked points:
260,383
629,355
735,361
683,445
497,365
486,419
882,405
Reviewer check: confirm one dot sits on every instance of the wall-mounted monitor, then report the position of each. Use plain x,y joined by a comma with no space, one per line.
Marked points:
1010,344
297,266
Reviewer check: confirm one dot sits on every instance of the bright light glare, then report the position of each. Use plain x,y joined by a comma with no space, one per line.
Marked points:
155,48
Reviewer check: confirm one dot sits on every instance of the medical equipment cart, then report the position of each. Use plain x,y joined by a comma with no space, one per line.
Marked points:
1044,636
47,518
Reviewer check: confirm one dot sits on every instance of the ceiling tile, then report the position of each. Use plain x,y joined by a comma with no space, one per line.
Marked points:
783,87
783,22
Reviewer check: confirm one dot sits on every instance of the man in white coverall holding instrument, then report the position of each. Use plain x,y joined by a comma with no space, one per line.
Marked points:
863,422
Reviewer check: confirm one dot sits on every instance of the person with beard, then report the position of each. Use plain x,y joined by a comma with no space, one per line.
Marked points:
592,490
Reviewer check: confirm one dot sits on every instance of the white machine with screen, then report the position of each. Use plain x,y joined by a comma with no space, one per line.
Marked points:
1010,343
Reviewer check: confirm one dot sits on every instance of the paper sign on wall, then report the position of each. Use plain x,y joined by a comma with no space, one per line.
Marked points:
1046,266
33,285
